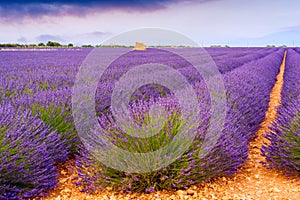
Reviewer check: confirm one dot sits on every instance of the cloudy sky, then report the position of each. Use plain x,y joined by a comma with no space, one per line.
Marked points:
207,22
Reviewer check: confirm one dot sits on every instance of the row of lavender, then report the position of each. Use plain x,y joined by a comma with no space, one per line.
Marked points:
248,87
37,130
283,152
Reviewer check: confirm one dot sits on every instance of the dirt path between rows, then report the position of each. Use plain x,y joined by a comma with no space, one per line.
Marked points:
252,181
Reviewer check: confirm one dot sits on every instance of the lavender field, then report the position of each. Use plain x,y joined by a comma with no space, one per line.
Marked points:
37,130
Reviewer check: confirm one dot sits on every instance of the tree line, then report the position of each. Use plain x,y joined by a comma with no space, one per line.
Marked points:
57,44
41,44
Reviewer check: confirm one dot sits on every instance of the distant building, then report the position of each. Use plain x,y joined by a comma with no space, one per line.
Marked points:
140,46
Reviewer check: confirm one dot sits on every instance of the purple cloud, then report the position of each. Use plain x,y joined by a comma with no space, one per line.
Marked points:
36,8
46,37
22,40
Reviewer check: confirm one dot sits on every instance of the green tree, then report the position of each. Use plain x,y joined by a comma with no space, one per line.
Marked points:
87,46
53,44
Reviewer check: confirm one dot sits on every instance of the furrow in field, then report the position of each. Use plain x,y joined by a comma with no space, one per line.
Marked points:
275,98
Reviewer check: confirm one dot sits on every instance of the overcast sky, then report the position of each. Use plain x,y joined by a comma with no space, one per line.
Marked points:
207,22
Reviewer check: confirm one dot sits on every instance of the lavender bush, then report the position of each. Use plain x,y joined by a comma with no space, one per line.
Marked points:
29,151
35,119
